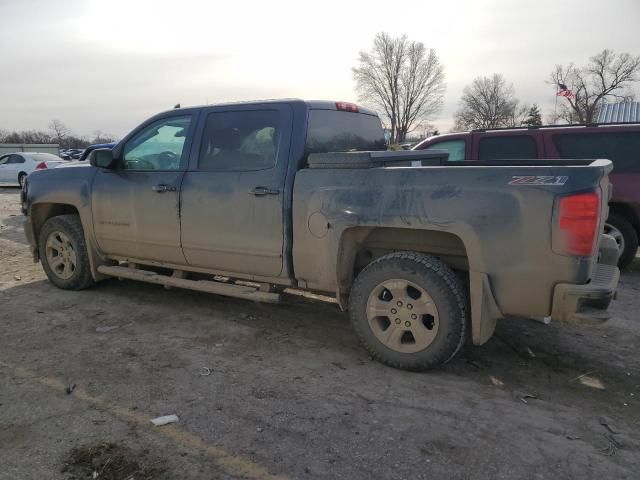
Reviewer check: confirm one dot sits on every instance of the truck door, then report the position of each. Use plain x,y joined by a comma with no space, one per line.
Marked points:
136,207
232,195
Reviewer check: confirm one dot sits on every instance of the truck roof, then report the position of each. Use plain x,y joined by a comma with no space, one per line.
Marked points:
311,104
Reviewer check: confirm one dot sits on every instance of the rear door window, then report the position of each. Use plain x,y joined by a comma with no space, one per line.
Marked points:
622,148
507,147
454,147
338,131
240,141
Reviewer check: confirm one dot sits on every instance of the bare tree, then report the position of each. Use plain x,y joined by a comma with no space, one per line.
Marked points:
489,102
59,130
100,137
403,79
36,136
518,116
607,77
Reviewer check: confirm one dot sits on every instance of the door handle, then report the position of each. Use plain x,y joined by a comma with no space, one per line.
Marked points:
161,188
264,191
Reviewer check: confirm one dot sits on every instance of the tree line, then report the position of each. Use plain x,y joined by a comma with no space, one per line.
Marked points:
405,81
58,133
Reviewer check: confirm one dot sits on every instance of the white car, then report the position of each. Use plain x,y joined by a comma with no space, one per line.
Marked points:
14,167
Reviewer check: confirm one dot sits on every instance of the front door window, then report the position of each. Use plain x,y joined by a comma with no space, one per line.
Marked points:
158,147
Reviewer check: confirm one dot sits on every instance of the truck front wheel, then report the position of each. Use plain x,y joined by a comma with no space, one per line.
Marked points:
409,310
63,253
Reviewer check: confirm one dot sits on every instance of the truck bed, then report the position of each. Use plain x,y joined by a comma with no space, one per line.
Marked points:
496,216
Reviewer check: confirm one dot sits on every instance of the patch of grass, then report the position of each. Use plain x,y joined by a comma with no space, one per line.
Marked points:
109,461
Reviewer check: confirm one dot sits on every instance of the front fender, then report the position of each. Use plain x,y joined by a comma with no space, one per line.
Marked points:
57,192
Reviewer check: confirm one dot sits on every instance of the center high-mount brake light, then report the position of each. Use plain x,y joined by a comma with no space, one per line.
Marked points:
41,166
578,221
347,107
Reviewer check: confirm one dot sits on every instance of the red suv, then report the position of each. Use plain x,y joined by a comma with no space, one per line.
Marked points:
619,143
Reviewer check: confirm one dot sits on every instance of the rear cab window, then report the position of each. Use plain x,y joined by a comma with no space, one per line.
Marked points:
622,148
507,147
343,131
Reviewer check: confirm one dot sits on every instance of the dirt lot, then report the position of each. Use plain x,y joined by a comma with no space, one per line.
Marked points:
290,392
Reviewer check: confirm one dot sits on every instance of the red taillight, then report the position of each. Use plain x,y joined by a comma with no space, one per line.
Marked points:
41,166
578,220
347,107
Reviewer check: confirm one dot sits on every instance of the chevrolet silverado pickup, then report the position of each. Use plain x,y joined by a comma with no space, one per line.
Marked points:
249,199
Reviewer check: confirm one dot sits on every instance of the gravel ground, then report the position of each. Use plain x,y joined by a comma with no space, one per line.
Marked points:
291,394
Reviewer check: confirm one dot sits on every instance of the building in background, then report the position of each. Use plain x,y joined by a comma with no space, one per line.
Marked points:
619,112
53,148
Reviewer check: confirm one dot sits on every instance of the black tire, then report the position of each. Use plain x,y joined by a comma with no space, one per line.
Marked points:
440,283
629,235
21,178
71,227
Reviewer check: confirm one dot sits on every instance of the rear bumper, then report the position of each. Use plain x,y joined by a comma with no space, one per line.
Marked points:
587,304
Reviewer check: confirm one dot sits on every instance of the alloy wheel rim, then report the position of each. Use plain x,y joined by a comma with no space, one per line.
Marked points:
402,316
61,256
616,234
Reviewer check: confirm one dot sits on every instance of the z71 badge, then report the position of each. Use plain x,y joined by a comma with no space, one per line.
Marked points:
537,180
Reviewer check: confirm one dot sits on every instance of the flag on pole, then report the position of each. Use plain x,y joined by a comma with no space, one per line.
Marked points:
564,91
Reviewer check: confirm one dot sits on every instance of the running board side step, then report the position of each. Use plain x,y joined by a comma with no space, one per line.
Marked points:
227,289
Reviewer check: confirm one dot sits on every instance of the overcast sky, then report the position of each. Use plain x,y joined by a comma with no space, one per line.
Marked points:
108,64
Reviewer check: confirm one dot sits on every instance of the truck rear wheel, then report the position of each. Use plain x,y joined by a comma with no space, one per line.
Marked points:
625,235
63,253
409,310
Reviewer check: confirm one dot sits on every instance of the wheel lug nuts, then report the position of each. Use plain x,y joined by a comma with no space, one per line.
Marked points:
413,316
398,321
409,306
407,323
394,311
399,303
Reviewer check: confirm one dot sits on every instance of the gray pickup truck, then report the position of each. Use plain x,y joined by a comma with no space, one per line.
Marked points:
248,199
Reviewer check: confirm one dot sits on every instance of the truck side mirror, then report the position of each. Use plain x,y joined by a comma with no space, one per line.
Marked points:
103,158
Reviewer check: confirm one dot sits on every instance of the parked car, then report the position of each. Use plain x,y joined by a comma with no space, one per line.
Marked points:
75,153
14,167
619,143
300,194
